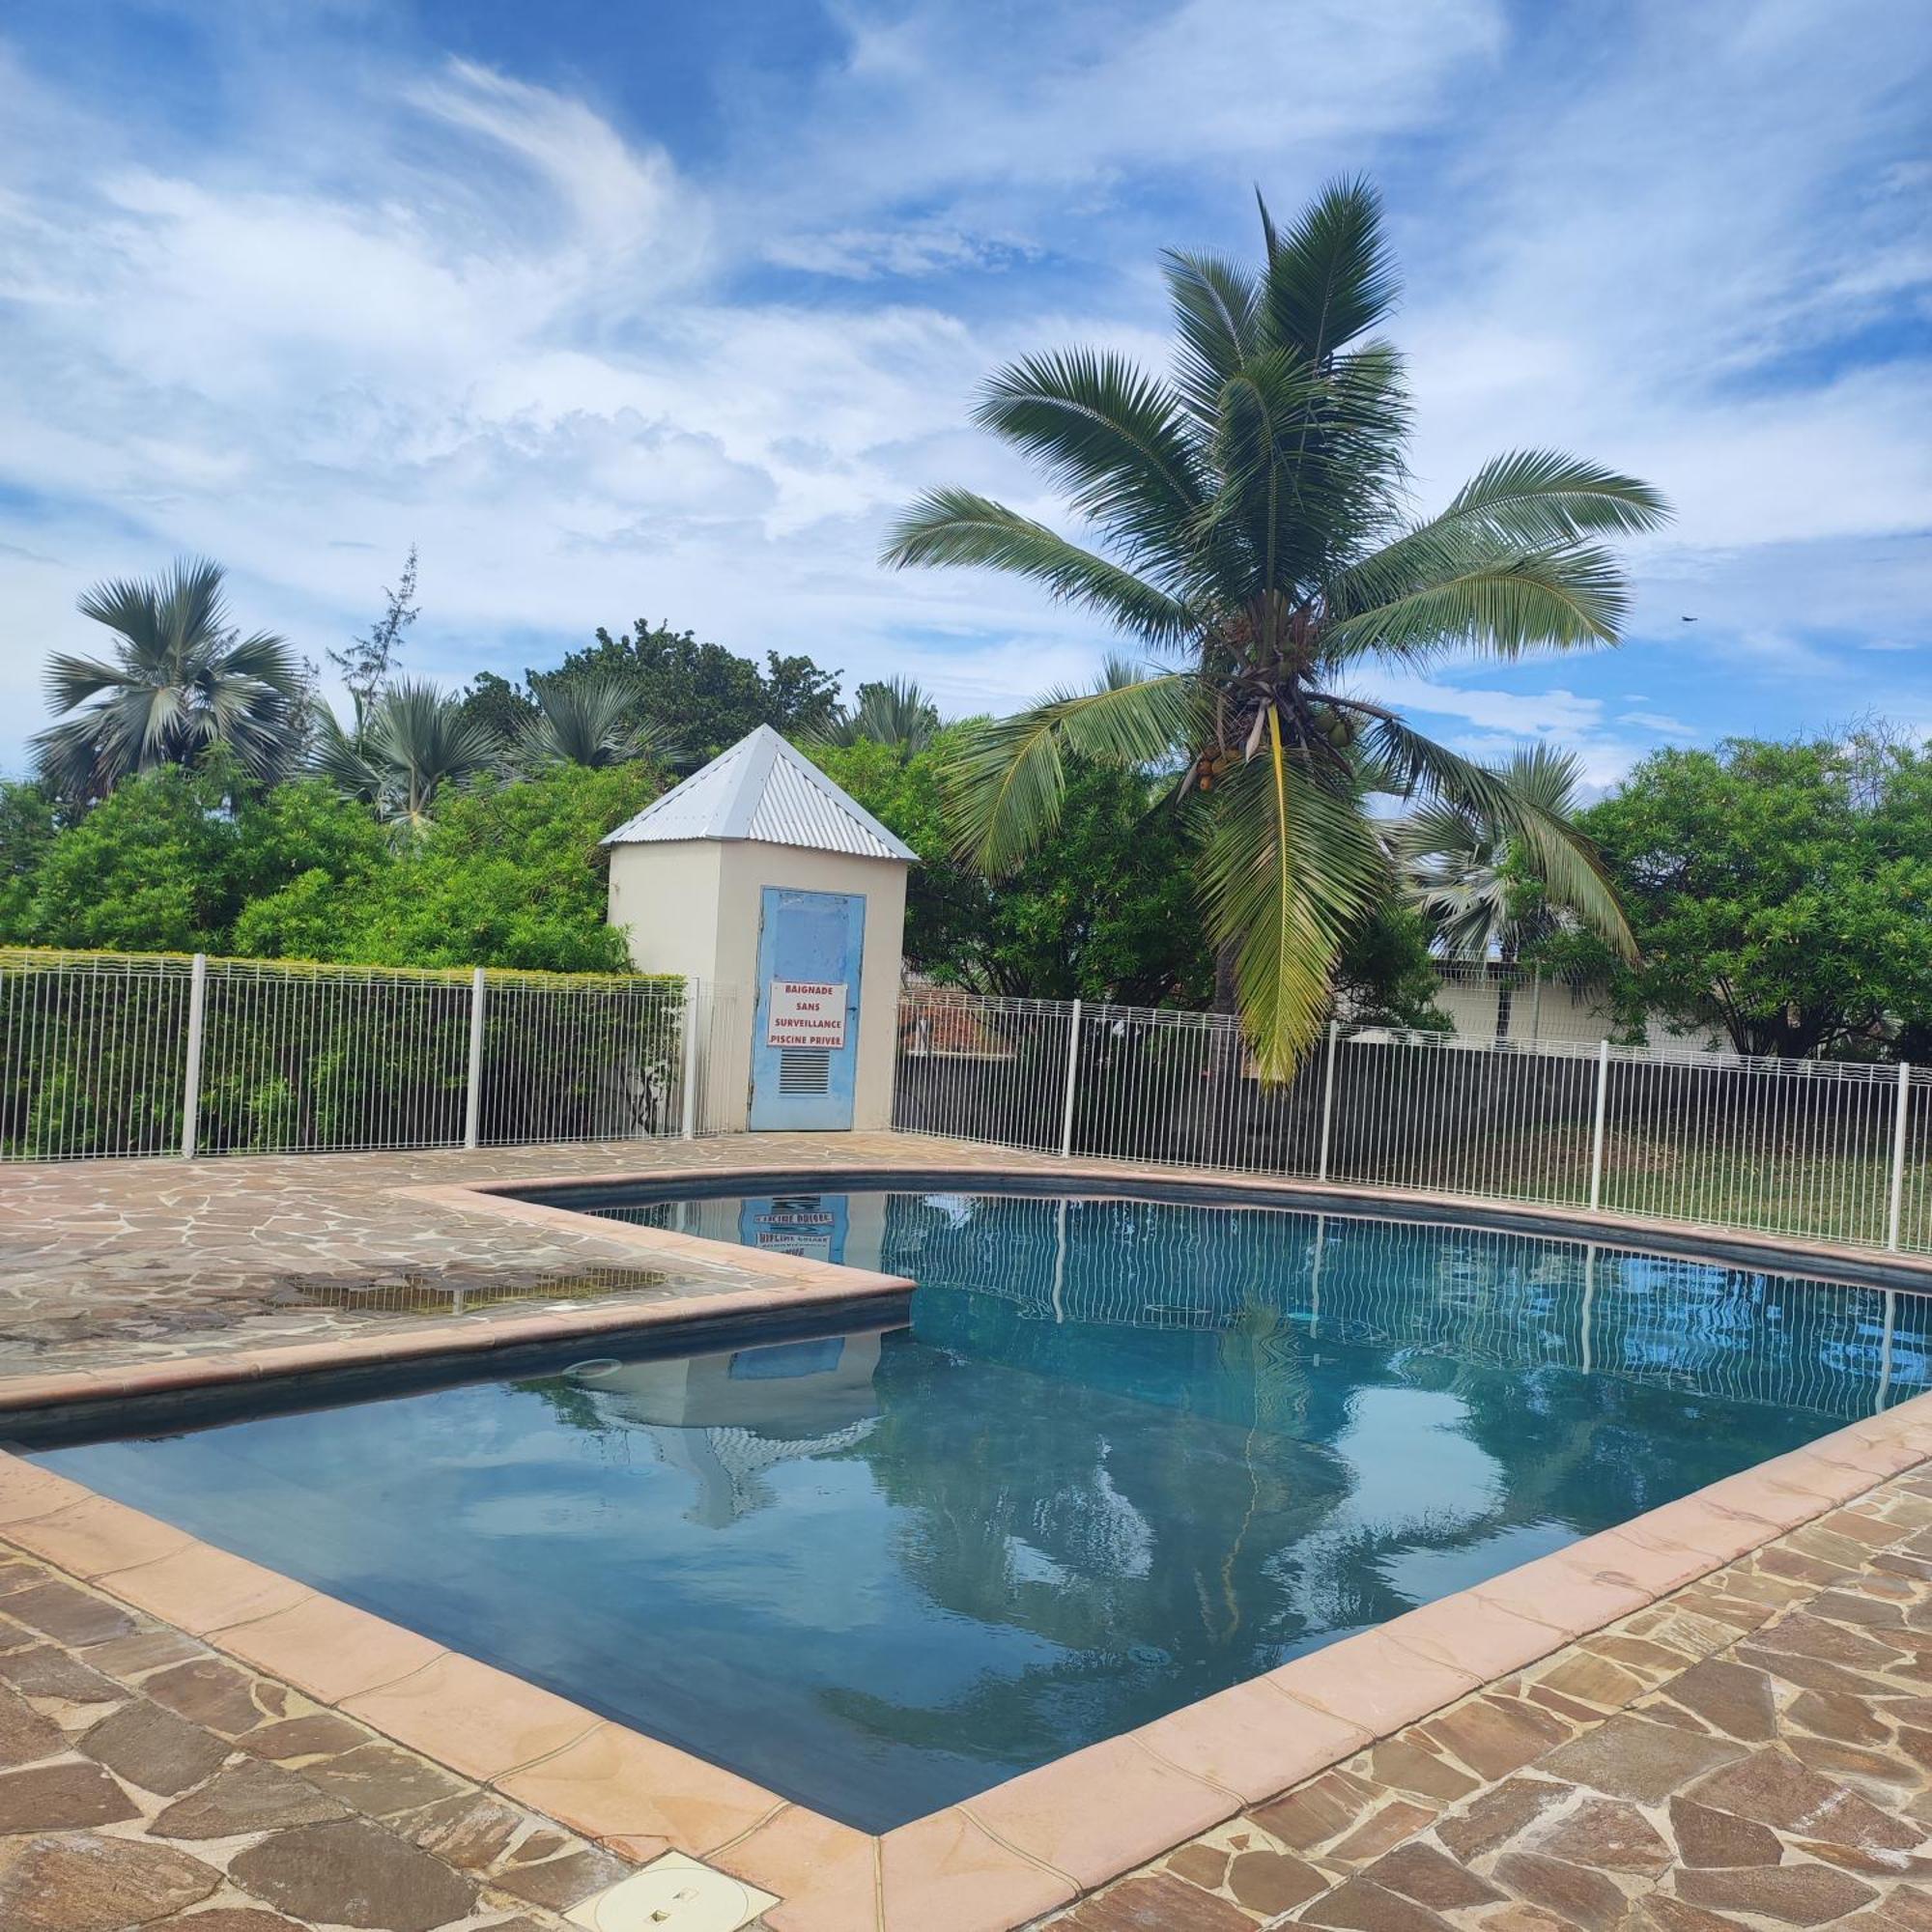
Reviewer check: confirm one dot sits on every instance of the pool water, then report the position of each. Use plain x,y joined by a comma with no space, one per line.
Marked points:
1126,1453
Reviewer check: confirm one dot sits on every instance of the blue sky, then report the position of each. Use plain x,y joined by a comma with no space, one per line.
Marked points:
624,308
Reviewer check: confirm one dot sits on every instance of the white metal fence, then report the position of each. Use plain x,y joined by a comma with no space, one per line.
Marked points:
114,1054
1837,1150
104,1054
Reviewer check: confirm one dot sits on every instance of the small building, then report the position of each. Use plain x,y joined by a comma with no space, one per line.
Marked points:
762,880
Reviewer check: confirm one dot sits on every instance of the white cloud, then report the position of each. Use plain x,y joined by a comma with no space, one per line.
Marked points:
1661,723
446,305
915,248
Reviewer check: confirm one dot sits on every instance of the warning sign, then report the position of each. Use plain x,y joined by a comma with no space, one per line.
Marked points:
806,1013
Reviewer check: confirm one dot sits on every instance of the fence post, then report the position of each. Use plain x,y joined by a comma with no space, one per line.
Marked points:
1597,1130
197,1020
1900,1119
1072,1075
1328,1099
687,1126
472,1098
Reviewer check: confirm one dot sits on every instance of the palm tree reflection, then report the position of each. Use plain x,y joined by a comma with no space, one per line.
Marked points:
1175,1447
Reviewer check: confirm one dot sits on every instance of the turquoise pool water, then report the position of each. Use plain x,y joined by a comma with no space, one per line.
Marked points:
1126,1453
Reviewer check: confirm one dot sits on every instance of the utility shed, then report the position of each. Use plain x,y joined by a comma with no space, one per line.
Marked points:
761,879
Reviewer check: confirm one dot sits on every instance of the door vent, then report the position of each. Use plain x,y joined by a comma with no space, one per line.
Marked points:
805,1070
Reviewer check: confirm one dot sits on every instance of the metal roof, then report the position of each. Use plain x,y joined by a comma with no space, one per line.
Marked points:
762,789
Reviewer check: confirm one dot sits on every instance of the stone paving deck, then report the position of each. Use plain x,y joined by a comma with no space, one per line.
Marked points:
1753,1750
147,1781
127,1260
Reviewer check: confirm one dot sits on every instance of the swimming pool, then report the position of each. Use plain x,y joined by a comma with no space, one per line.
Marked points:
1126,1453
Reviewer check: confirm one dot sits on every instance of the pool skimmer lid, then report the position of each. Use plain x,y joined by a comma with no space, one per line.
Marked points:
673,1894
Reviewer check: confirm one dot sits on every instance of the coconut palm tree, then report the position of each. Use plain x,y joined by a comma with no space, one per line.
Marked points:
415,742
587,722
1463,871
1252,532
179,681
895,713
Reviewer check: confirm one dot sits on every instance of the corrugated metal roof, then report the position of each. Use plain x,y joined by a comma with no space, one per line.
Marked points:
762,789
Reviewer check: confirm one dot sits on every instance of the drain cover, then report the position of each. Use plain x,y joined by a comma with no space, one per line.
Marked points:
673,1894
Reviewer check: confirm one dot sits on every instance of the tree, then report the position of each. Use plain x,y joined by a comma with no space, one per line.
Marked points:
1465,872
504,709
509,875
702,696
1780,892
369,663
29,825
1386,976
895,713
412,744
180,680
167,861
1252,532
145,870
590,721
1103,912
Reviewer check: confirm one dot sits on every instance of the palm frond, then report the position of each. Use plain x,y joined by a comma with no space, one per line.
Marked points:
335,753
1006,781
588,721
959,527
72,680
1553,851
165,613
1539,500
415,743
1501,601
178,682
1543,495
893,712
265,658
69,755
1308,459
1214,311
1331,276
1289,863
1113,438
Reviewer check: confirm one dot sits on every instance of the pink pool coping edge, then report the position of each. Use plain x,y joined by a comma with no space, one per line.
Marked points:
1013,1852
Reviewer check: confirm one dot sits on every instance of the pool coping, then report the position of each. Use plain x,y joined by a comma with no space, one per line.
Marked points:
1024,1847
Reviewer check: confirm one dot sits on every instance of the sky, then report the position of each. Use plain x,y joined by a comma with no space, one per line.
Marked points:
623,308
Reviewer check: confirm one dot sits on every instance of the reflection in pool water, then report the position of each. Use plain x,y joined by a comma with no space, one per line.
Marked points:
1126,1453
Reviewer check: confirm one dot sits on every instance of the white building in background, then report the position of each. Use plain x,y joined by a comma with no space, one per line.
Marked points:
1487,1003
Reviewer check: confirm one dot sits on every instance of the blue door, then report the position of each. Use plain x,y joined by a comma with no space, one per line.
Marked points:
805,1037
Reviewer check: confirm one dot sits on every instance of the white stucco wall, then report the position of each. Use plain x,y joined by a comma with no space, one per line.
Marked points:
693,907
665,900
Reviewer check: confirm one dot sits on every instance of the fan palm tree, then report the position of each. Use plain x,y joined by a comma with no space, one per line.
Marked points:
1252,533
587,722
179,681
895,713
415,742
1464,872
